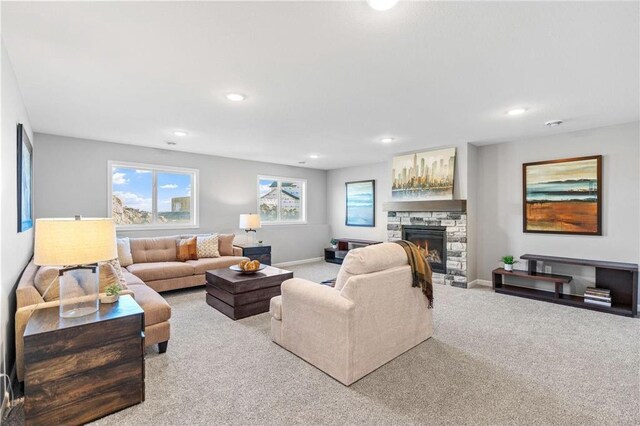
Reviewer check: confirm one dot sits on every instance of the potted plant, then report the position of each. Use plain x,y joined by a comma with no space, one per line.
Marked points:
508,262
112,294
334,243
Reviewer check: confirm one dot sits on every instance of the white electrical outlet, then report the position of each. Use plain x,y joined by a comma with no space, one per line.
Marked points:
547,269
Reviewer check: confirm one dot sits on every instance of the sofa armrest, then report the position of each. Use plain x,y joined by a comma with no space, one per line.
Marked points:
237,251
317,325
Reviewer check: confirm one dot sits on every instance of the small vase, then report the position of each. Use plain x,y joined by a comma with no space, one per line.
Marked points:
508,267
109,299
334,246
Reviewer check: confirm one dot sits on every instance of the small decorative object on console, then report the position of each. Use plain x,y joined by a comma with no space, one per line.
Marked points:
112,294
508,262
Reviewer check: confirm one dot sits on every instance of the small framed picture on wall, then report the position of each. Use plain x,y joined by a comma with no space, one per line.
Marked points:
361,203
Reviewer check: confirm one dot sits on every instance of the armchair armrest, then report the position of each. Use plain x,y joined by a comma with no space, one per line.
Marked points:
237,251
317,325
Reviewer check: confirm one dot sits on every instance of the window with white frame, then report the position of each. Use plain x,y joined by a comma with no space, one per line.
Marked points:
145,196
282,200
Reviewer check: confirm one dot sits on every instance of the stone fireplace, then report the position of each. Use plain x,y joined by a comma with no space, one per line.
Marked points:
442,233
432,241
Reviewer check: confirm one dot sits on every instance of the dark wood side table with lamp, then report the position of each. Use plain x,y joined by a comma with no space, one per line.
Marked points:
80,369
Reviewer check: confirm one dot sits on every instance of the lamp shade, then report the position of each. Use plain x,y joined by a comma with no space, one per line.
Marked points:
250,221
66,242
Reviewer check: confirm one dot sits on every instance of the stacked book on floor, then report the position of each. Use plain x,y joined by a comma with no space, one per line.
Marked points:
597,296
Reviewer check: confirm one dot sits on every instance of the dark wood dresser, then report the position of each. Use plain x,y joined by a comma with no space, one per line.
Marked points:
257,252
81,369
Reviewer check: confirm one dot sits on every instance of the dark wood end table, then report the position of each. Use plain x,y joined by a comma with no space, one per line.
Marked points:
243,295
261,253
80,369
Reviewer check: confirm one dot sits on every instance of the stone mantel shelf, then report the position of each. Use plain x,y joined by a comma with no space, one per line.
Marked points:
425,206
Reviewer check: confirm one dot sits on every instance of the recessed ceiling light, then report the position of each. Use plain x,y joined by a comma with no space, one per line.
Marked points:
387,140
314,156
516,111
171,143
180,133
235,97
554,123
382,4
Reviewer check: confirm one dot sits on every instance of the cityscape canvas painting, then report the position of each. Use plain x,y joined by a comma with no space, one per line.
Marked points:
25,179
424,175
563,196
361,203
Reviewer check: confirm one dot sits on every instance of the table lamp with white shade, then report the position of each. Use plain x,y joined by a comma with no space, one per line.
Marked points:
250,223
76,245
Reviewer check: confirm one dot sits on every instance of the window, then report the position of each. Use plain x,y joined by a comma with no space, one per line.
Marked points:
144,196
282,200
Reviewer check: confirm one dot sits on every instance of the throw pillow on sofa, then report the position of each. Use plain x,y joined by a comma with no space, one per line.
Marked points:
225,244
207,246
124,252
187,249
48,283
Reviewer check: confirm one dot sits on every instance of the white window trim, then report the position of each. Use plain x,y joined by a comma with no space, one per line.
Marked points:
303,204
195,179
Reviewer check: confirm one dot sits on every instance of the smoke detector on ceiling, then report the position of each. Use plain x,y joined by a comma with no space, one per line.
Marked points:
554,123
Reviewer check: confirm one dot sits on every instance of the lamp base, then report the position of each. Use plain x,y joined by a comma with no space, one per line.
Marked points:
79,291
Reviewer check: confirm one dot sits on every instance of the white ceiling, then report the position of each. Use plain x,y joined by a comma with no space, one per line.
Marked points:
326,78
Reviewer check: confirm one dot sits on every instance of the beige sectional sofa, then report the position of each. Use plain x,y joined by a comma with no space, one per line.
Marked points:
155,269
155,262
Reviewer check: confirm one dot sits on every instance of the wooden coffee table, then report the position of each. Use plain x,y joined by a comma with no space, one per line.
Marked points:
242,295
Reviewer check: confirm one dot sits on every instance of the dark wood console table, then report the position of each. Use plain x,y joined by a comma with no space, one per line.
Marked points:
620,278
337,255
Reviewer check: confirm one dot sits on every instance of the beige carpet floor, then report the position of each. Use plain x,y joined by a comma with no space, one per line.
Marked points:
494,359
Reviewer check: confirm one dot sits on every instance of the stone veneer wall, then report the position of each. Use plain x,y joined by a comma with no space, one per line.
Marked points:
456,224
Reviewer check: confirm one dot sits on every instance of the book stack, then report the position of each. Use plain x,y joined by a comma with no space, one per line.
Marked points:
597,296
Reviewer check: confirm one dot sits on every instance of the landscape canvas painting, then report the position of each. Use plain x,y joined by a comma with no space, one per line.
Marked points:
24,179
563,196
361,201
424,175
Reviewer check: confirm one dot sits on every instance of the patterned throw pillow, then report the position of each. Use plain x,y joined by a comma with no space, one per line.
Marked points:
117,268
187,249
124,252
225,244
208,246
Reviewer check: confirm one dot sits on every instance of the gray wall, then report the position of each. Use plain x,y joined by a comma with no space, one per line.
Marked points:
15,248
71,178
500,200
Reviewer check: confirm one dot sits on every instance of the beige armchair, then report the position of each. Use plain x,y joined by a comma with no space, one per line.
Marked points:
371,316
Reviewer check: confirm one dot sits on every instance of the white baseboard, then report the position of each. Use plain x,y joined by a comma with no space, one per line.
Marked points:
484,283
299,262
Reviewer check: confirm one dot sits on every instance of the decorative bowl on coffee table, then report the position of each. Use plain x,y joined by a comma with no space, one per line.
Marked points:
236,268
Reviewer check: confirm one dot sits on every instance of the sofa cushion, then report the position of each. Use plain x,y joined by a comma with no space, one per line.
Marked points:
131,279
225,244
156,309
208,246
187,249
117,267
124,251
203,265
275,307
162,249
367,260
151,271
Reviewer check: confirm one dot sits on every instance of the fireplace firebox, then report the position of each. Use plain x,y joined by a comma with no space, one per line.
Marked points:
432,241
